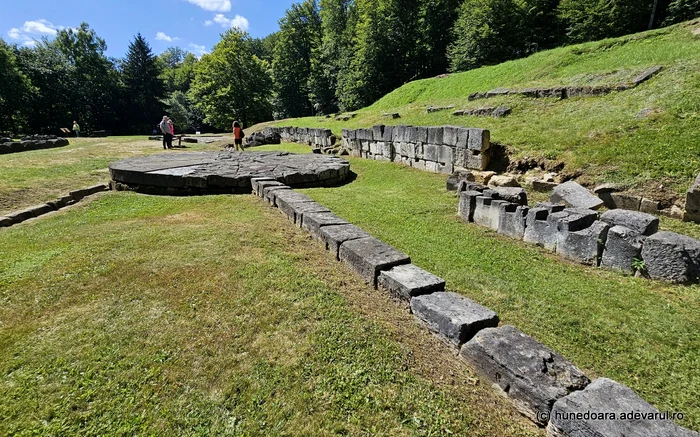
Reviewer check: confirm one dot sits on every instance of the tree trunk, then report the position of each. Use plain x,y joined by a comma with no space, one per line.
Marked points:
653,13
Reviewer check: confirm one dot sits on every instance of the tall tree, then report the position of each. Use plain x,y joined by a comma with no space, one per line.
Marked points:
144,87
231,83
298,37
15,90
682,10
93,74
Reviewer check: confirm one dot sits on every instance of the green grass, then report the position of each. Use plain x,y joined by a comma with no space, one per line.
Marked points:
28,178
600,136
134,314
642,333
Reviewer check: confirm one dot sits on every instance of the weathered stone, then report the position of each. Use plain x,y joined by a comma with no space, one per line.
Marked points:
407,280
270,193
79,194
483,177
5,222
531,374
584,246
455,318
449,135
692,202
602,410
479,140
503,181
467,204
501,111
638,222
512,220
606,188
543,186
649,206
511,194
313,222
626,201
646,75
672,257
302,208
335,235
21,215
487,212
435,134
539,230
255,184
458,176
622,247
575,196
470,186
369,256
261,185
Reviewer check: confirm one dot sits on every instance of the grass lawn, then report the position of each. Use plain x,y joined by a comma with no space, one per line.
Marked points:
604,137
132,314
213,315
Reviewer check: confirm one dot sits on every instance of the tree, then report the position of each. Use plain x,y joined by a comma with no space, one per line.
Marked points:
682,10
231,83
298,37
177,69
588,20
94,77
15,89
145,89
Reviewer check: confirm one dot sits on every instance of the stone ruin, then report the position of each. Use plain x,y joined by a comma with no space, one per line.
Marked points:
628,241
267,136
31,142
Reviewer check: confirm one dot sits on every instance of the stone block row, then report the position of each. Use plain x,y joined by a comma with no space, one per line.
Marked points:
439,149
35,142
16,217
542,384
312,136
618,239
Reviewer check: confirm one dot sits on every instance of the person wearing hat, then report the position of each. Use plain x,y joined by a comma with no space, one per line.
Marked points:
167,135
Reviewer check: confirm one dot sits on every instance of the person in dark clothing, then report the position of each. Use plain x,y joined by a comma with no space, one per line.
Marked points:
167,135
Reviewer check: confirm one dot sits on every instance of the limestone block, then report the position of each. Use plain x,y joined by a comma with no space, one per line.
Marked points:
588,413
622,246
511,194
650,206
270,192
672,257
455,318
419,164
255,184
430,152
476,160
84,192
512,220
445,155
572,219
368,256
532,375
692,202
503,181
418,134
446,168
462,137
626,201
302,208
407,280
449,135
398,133
314,221
479,140
456,177
575,196
431,166
584,246
435,135
487,212
388,134
467,204
538,230
21,215
639,222
378,132
335,235
543,186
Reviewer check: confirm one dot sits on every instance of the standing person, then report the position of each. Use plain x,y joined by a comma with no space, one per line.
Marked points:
172,128
238,135
76,129
167,136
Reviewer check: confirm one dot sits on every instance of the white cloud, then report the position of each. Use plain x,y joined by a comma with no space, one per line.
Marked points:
160,36
208,23
197,49
237,21
31,31
213,5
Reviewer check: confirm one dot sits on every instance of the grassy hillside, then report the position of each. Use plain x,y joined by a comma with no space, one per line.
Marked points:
603,136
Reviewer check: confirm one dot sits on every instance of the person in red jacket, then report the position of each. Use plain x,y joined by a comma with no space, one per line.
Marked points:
238,135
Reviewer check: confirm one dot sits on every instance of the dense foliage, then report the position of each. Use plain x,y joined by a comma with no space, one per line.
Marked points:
328,56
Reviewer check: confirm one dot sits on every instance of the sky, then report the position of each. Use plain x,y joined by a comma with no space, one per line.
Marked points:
194,25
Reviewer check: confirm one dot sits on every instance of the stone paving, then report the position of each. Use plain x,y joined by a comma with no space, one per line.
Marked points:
224,172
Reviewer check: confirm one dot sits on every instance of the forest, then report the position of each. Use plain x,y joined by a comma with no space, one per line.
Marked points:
327,56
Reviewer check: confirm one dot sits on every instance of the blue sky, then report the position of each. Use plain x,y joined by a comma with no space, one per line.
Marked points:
194,25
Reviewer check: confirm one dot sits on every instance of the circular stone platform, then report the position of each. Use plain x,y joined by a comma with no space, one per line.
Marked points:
224,172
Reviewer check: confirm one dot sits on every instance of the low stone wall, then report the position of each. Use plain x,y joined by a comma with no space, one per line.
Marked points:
624,240
54,205
542,384
34,142
439,149
316,138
